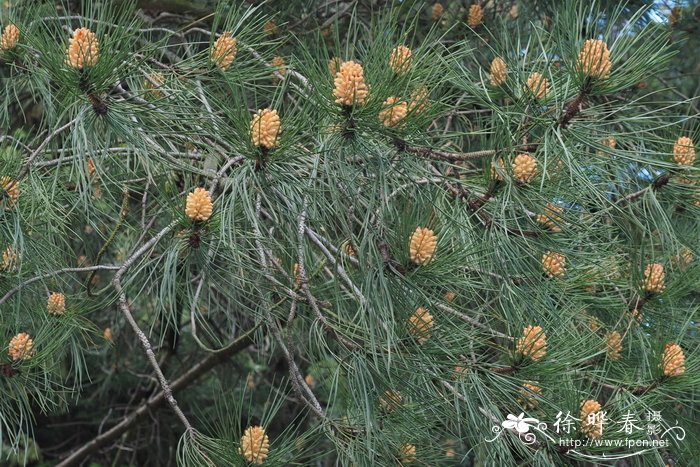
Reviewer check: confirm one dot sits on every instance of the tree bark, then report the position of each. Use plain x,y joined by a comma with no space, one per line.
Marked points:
76,457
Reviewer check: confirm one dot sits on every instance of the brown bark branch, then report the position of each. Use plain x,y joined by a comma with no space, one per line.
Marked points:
157,400
657,184
443,156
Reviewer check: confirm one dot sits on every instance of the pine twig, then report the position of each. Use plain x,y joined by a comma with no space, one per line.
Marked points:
17,288
443,156
28,164
576,106
305,281
122,217
472,321
657,184
147,407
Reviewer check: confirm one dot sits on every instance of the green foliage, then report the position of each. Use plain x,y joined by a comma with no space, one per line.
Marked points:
293,306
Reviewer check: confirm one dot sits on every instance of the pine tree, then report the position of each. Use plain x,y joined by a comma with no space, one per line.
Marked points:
346,233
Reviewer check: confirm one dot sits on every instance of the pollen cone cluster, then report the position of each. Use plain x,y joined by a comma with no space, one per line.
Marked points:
593,322
349,84
394,111
56,304
673,360
613,344
495,175
547,21
334,65
476,15
255,445
538,85
349,250
224,51
279,65
10,191
419,100
90,167
551,217
684,151
270,28
9,38
21,347
498,72
391,400
594,59
634,316
529,393
153,84
407,454
654,278
422,245
554,264
450,452
461,370
683,258
591,419
296,272
436,11
533,343
9,259
514,11
420,324
199,206
83,49
607,142
264,128
400,59
675,16
525,168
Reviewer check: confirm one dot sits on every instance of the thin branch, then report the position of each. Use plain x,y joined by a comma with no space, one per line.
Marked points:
655,185
301,231
472,321
443,156
146,344
146,408
338,267
27,165
102,267
301,388
17,142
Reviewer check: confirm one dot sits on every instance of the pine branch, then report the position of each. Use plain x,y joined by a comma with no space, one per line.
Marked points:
30,160
122,217
474,322
17,288
302,389
147,408
575,107
301,232
443,156
657,184
145,343
475,204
